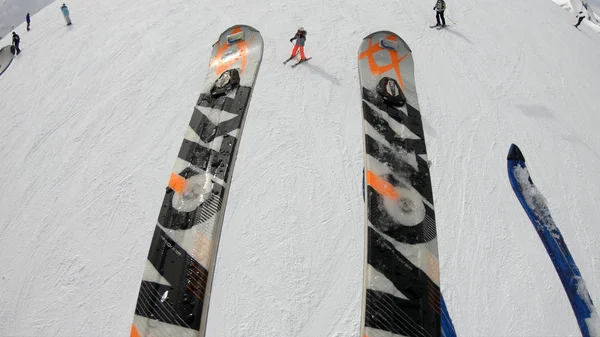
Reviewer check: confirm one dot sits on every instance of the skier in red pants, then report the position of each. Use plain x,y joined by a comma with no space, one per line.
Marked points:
300,38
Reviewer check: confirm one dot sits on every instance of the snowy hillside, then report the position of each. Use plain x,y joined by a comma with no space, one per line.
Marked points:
92,117
12,12
591,8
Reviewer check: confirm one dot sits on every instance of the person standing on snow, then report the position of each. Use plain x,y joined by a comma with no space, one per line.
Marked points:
439,8
65,12
28,19
581,16
16,40
300,38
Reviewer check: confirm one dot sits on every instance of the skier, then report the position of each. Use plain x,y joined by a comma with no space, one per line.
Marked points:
300,38
439,8
65,12
28,19
580,17
16,40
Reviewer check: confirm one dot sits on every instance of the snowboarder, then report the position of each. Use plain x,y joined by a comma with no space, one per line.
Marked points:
16,40
439,8
580,17
28,19
65,12
300,38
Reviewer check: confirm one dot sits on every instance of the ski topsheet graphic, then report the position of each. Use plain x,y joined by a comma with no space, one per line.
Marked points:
534,204
175,290
402,295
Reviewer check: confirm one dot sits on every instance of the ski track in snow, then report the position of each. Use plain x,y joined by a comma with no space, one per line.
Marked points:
92,117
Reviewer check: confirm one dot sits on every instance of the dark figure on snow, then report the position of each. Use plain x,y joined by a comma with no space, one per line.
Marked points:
580,17
16,40
28,19
65,12
440,7
300,38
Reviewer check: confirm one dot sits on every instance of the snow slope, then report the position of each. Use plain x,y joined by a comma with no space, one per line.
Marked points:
590,8
92,117
12,13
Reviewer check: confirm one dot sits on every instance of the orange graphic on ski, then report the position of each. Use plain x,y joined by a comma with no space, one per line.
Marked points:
134,332
177,183
395,60
223,61
381,186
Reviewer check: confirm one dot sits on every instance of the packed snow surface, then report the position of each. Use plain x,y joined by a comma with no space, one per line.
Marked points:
536,203
12,13
593,323
92,117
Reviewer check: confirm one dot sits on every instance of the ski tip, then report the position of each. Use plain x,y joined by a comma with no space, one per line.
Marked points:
514,153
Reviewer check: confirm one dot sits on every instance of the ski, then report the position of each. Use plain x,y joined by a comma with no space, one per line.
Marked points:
534,204
301,61
174,295
288,60
447,325
401,281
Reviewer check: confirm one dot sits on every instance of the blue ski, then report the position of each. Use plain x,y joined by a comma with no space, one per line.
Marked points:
535,206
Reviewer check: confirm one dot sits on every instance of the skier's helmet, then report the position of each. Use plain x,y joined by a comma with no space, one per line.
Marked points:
301,29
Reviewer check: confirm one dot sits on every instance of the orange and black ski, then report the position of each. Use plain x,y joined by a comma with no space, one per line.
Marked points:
401,289
173,299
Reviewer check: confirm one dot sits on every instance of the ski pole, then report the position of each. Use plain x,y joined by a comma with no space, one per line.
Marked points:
447,17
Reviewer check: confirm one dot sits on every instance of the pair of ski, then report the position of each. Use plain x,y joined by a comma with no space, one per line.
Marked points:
401,282
297,63
438,27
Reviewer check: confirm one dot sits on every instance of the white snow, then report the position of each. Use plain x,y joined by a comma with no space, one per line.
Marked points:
565,4
590,8
536,201
13,13
593,323
92,117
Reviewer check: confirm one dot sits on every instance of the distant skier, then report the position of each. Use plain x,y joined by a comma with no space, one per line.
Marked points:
580,17
439,8
300,38
16,40
28,19
65,12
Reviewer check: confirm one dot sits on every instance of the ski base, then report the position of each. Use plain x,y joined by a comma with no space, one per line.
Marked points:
301,61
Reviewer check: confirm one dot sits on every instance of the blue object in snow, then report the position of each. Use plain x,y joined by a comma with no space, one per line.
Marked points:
535,206
447,326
